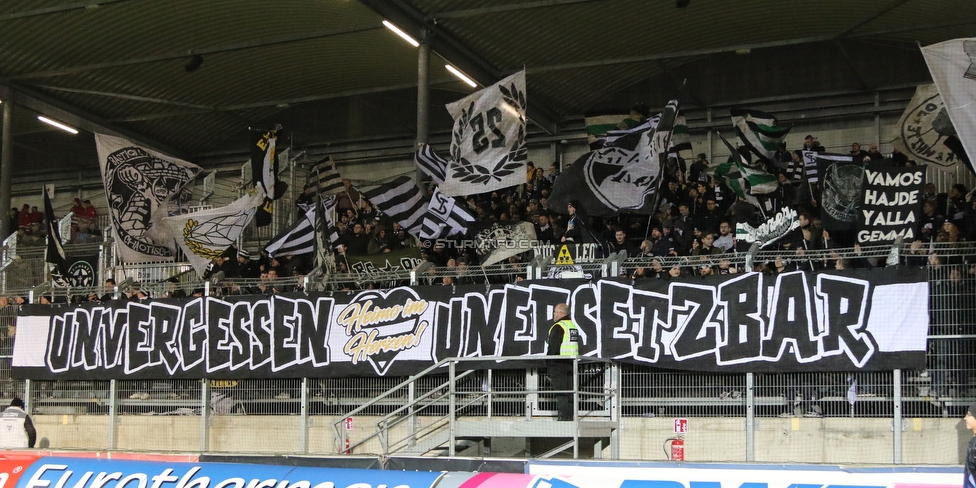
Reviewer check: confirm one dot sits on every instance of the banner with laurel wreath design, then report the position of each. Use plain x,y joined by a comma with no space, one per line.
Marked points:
206,234
488,150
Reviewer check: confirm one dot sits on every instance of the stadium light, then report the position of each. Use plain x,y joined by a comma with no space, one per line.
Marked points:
461,75
57,124
389,25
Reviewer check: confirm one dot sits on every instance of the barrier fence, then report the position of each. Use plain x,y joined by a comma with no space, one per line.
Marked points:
872,417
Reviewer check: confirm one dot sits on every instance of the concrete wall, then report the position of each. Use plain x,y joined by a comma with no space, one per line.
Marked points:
832,440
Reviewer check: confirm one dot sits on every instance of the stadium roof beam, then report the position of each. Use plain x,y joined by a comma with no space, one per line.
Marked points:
729,48
455,52
75,116
472,12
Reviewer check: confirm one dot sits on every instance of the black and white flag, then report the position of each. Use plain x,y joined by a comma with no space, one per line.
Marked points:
488,150
206,234
498,241
326,233
324,179
444,217
924,128
810,169
402,200
298,238
953,68
431,163
840,200
622,176
141,186
55,250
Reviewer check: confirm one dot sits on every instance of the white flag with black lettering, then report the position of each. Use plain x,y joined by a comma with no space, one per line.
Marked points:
143,187
953,67
488,149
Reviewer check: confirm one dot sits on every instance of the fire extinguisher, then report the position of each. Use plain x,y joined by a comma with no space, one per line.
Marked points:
677,452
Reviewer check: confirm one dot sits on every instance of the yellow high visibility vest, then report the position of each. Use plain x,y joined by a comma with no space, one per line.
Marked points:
570,344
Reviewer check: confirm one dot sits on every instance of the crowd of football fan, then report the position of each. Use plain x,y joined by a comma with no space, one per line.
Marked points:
692,232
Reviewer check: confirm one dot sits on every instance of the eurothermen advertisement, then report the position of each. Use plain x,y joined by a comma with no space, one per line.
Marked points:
26,469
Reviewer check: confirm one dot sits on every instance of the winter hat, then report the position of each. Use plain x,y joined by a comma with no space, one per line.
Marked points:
244,254
972,409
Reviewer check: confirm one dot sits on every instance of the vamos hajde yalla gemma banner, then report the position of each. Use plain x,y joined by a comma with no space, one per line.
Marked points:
855,320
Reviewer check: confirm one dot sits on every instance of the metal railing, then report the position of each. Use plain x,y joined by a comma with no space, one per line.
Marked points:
470,390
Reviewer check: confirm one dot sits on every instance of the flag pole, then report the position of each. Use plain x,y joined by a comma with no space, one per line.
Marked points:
667,145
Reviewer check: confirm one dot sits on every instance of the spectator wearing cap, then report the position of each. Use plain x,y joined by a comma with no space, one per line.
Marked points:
247,268
638,115
173,289
711,217
874,153
661,244
306,198
18,429
858,154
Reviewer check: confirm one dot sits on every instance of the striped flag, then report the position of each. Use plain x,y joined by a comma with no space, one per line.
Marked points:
298,238
758,131
745,181
431,163
324,178
681,139
402,200
810,167
326,233
444,217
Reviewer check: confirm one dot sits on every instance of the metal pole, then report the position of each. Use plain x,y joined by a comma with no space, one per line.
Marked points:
28,394
423,92
205,415
411,414
113,413
708,135
896,421
304,415
452,404
750,418
6,164
877,120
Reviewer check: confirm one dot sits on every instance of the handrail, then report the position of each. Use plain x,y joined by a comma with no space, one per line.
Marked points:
384,425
